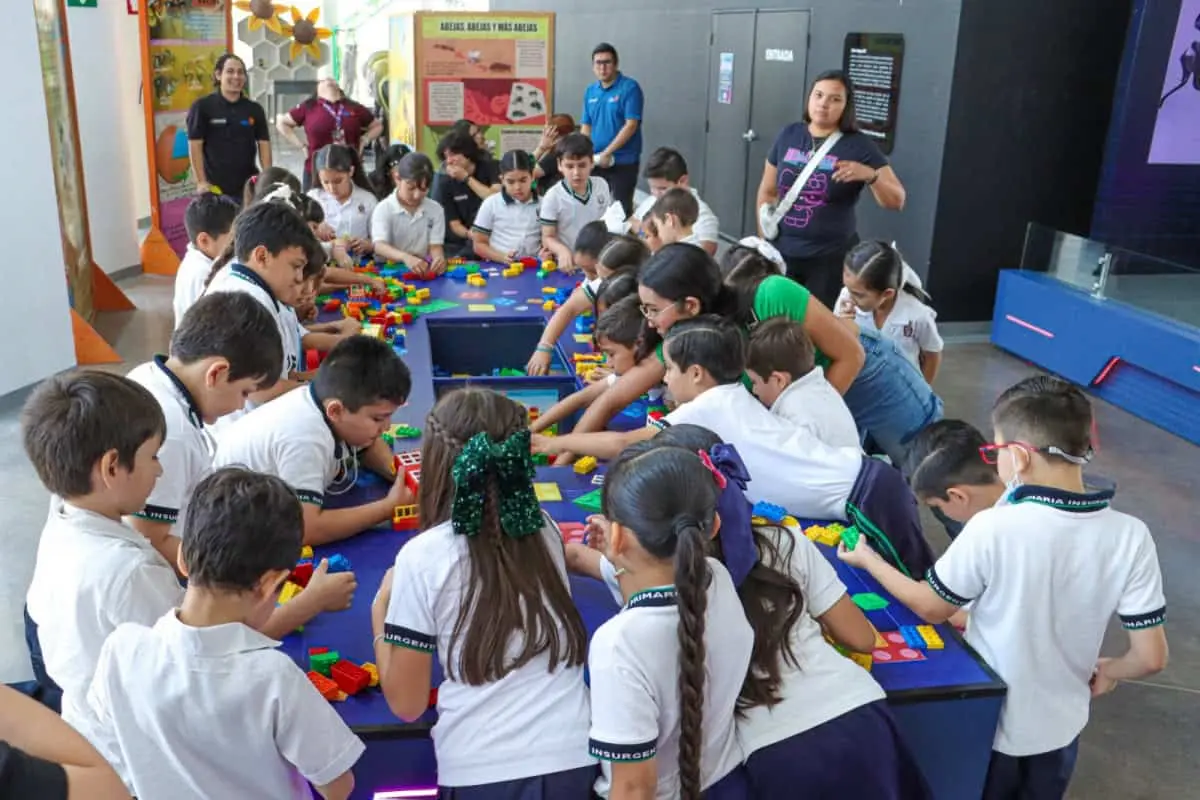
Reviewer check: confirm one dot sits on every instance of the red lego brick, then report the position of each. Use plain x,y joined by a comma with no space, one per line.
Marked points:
432,697
328,689
332,304
350,678
529,262
302,573
412,478
316,651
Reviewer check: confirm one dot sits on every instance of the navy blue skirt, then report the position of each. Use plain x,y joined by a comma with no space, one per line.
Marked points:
857,755
881,494
572,784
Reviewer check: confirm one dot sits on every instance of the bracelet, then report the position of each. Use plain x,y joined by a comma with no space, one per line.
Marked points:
874,178
545,348
375,642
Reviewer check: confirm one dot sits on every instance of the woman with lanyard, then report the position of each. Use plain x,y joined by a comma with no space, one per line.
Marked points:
813,227
328,117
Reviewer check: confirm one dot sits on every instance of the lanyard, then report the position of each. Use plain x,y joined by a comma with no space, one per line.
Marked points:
338,112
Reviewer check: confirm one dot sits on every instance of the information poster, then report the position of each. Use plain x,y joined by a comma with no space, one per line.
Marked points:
402,81
181,43
494,69
872,61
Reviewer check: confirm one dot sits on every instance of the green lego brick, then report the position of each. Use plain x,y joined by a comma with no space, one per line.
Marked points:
406,432
541,460
322,662
869,601
590,501
850,537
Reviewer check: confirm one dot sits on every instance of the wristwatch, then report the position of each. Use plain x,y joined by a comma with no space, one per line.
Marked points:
874,178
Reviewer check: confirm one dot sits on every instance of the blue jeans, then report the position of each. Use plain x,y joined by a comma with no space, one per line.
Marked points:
890,399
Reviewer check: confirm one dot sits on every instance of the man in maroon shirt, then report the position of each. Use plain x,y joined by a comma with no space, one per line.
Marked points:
328,117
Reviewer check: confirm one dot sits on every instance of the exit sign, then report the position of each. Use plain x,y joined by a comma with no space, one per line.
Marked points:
83,3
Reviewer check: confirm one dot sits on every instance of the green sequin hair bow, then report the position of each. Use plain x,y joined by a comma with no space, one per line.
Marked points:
510,463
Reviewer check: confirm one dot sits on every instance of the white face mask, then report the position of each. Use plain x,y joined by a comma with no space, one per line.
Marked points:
1013,483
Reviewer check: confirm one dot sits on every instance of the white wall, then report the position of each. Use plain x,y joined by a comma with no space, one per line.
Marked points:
106,61
36,334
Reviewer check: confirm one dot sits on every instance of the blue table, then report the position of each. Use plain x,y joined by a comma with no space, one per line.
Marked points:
947,706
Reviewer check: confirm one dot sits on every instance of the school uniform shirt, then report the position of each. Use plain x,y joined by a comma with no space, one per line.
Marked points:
92,574
1044,575
296,332
189,280
633,665
825,685
788,465
531,722
414,232
240,278
237,716
810,402
187,451
351,218
289,438
568,212
511,227
231,132
911,324
707,226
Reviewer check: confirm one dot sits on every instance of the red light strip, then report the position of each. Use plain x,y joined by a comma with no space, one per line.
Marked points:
1029,326
1108,368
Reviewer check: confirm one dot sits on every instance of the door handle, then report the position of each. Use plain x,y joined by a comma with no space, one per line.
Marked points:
750,135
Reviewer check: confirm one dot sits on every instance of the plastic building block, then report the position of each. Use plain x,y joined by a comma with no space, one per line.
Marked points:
850,537
302,573
332,304
869,601
790,522
585,465
412,479
597,480
287,593
549,305
590,501
769,511
306,552
476,280
350,678
541,460
312,651
404,432
322,662
550,290
339,563
549,266
912,637
405,518
328,689
372,673
932,640
864,660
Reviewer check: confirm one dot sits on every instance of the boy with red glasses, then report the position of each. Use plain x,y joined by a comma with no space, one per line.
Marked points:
1044,572
948,474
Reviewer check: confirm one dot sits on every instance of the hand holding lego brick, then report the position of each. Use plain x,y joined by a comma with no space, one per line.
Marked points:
330,592
539,362
545,444
861,556
400,494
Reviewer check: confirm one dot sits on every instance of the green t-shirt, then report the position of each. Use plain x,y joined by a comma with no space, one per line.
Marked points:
778,296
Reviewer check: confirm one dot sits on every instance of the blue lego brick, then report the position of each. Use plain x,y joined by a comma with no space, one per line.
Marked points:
339,563
769,512
913,637
504,301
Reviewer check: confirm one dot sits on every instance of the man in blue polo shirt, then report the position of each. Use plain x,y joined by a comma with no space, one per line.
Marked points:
612,117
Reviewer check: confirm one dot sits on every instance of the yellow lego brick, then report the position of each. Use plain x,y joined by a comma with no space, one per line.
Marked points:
758,521
879,640
829,537
790,522
288,592
549,266
864,660
373,671
549,290
585,465
836,527
306,552
549,305
423,294
932,640
813,531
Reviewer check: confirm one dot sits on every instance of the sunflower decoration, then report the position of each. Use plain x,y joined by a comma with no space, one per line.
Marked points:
305,35
262,12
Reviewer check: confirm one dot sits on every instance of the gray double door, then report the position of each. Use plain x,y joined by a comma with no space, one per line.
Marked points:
756,86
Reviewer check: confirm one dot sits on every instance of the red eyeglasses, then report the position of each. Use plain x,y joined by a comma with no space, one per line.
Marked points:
990,453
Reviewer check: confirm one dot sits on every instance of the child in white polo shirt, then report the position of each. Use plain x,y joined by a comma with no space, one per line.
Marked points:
408,227
781,365
506,226
576,200
209,222
666,672
484,586
345,197
947,474
315,437
1044,572
185,683
674,215
92,437
667,169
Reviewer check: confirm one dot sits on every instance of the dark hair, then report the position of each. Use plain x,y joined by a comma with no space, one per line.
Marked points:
209,213
574,145
849,121
771,597
621,323
262,184
71,420
666,164
233,326
312,211
381,177
514,587
880,267
780,345
680,202
516,161
563,123
458,142
605,47
275,226
615,287
592,239
219,67
415,167
1045,411
667,499
742,270
679,271
711,343
240,526
340,158
624,252
944,454
361,370
463,125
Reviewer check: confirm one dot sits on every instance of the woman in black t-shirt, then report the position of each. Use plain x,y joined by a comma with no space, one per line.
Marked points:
820,228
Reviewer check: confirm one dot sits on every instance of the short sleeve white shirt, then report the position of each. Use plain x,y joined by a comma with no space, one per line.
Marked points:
788,466
569,212
912,325
707,227
238,717
351,218
533,721
826,684
289,438
413,232
239,278
633,664
189,280
810,402
187,451
92,574
512,227
1044,575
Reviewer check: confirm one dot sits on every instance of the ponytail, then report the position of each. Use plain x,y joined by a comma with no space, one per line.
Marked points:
219,264
340,158
691,585
880,267
516,161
